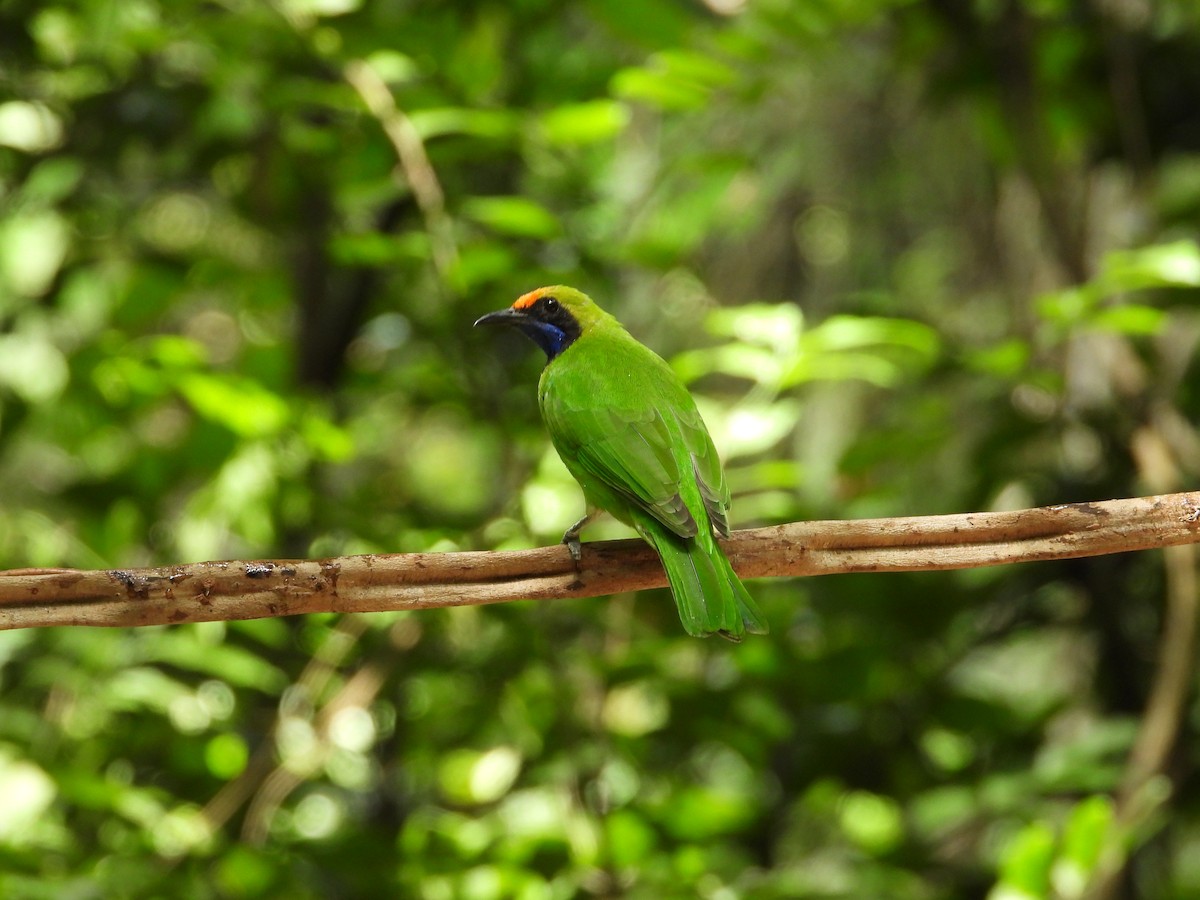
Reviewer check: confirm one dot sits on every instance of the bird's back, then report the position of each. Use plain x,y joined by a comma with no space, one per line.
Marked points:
630,433
611,369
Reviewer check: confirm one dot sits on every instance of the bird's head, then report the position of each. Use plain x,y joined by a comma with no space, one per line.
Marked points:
552,317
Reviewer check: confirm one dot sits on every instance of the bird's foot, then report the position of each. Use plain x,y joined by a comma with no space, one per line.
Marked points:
571,538
574,546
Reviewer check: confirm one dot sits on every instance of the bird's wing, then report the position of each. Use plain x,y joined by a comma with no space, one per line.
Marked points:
630,452
706,465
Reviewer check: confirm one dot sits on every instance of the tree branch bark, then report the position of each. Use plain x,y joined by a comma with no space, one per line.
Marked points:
222,591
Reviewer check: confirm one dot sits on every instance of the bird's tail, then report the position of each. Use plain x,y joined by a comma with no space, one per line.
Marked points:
710,597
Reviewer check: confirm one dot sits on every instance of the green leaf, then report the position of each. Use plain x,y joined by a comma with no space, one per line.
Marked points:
768,324
1130,319
493,124
32,249
1069,306
1025,863
660,89
697,67
327,440
630,838
1164,265
636,709
241,405
1089,830
32,367
584,123
240,667
470,776
28,792
226,756
657,23
1006,359
516,216
369,249
481,263
392,66
304,8
743,361
872,821
30,127
854,332
52,180
699,813
672,80
172,351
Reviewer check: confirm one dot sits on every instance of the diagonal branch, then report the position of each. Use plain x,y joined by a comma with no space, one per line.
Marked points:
414,161
216,591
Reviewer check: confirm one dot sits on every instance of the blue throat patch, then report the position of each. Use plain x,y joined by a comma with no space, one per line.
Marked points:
552,339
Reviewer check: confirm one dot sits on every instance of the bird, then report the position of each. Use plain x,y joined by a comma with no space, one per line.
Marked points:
629,432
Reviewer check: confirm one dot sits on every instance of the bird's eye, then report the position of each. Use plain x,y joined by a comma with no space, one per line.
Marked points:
551,304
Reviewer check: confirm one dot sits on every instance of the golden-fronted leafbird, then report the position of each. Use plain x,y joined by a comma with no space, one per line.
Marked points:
630,433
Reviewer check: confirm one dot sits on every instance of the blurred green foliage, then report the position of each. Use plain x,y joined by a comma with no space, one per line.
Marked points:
913,256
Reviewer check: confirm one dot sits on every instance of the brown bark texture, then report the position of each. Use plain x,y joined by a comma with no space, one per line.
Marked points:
248,589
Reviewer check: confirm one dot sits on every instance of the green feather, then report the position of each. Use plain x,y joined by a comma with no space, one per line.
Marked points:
709,595
630,434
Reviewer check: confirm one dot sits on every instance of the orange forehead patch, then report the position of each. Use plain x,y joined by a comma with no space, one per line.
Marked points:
527,300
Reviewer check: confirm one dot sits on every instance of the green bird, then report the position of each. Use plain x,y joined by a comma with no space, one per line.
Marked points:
630,434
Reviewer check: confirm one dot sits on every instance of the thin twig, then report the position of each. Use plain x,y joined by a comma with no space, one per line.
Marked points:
414,162
222,591
311,684
359,690
1167,704
1146,785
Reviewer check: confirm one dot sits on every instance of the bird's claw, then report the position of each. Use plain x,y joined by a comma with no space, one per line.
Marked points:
573,545
571,538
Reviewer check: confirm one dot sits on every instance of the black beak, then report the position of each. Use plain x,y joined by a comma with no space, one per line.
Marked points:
501,317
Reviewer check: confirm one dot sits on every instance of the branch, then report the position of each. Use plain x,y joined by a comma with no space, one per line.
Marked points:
414,161
222,591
